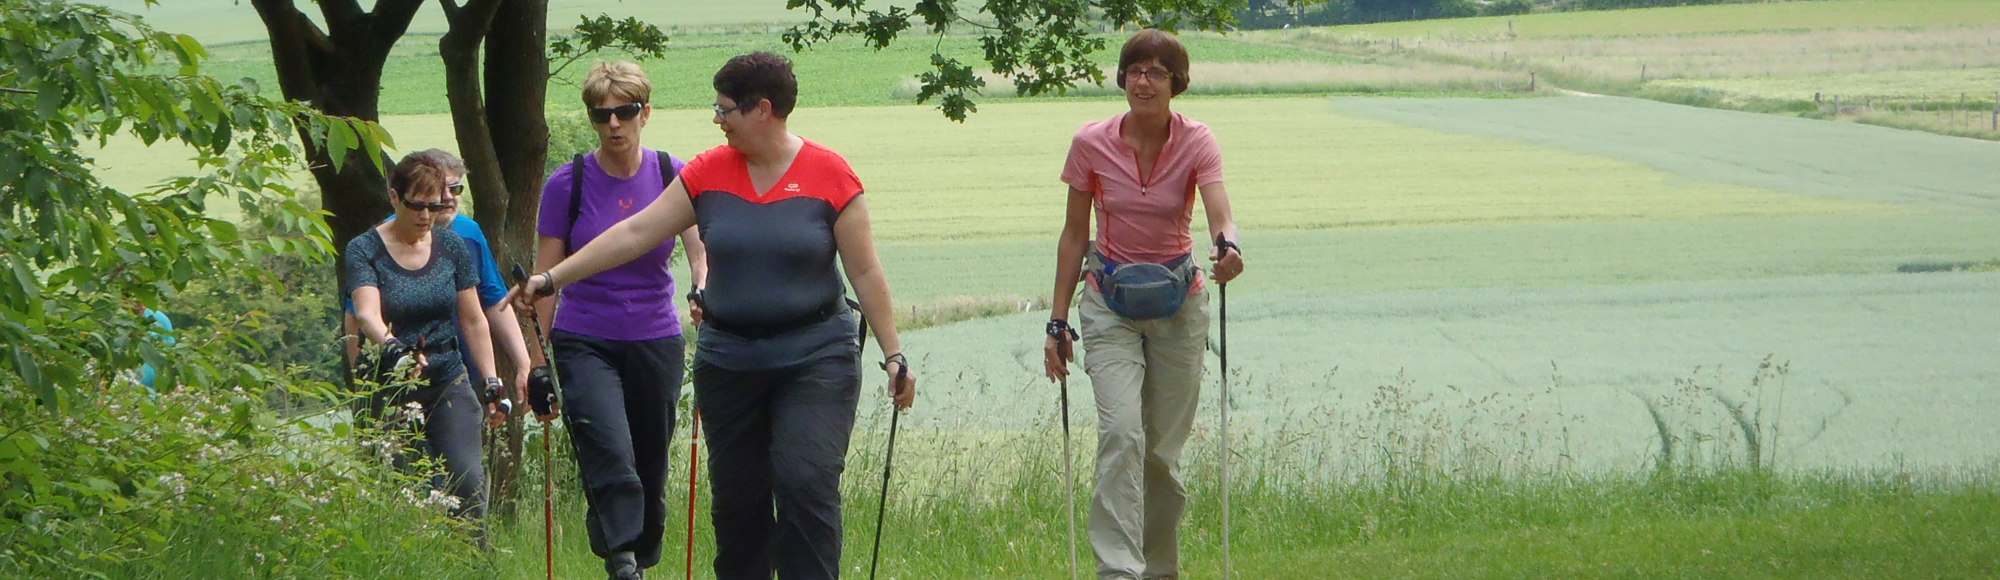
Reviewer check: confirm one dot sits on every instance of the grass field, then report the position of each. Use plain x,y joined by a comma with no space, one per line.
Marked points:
1725,18
1908,62
228,21
1469,325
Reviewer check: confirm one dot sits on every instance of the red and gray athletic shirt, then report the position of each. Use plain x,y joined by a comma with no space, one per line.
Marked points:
774,296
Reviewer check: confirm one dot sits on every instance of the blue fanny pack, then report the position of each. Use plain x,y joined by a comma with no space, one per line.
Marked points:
1145,291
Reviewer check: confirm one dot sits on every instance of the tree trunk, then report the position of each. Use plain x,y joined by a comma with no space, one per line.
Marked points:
339,74
517,75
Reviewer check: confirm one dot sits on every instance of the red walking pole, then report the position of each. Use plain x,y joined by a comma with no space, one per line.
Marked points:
694,467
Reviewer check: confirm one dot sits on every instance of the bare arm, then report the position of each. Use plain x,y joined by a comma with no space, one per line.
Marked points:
670,214
1057,353
473,329
697,256
548,252
368,312
507,337
1069,252
1221,224
856,242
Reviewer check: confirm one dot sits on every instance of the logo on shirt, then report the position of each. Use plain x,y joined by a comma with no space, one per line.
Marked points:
791,188
625,206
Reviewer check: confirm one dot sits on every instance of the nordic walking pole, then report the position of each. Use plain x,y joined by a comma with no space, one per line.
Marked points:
1069,474
1222,290
694,468
895,415
1065,335
547,401
888,461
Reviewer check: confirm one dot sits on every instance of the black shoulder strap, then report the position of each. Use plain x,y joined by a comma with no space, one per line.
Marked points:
575,202
667,171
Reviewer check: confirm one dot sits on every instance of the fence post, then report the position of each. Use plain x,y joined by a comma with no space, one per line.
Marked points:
1531,81
1642,72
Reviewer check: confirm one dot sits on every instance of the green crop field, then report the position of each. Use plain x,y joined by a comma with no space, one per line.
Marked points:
1724,18
229,21
1477,336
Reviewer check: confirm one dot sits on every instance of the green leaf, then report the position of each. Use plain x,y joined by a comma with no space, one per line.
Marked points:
223,231
32,374
340,139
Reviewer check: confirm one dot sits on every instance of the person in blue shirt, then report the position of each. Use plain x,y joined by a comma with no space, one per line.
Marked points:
506,329
163,330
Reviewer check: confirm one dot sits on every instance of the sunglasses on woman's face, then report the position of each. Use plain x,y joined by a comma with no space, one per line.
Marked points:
419,206
624,112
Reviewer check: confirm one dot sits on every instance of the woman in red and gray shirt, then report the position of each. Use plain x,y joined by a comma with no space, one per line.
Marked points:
1140,174
777,369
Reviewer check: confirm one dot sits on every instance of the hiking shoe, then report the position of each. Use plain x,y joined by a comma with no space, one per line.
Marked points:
623,566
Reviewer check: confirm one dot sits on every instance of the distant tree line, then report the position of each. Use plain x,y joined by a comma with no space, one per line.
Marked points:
1262,14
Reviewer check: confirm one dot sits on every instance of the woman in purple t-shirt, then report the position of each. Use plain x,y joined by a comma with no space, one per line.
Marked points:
1144,328
617,335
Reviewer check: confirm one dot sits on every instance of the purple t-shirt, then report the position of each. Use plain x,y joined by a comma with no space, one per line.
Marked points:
635,300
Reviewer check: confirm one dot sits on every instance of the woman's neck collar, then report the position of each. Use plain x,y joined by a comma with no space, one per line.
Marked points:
774,149
616,164
1148,127
407,232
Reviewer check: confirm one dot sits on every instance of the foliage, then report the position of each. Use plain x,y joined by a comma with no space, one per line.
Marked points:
1045,46
279,314
211,480
75,497
593,35
1506,8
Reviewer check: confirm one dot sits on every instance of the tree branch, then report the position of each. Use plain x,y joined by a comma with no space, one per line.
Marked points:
15,91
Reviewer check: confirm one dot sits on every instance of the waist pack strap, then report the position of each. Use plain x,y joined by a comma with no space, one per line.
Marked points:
821,314
1096,264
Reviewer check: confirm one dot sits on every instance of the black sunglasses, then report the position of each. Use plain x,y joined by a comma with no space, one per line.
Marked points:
455,189
624,112
429,207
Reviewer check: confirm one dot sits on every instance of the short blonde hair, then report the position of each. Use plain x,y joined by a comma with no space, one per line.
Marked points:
619,78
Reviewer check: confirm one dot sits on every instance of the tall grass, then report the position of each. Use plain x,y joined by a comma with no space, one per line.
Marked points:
1366,492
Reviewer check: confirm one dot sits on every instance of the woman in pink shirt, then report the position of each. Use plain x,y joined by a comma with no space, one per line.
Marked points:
1142,319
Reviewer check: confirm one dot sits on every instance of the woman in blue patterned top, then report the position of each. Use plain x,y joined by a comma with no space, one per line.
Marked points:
407,277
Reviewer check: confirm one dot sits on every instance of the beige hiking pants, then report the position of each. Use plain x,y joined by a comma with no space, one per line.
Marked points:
1147,375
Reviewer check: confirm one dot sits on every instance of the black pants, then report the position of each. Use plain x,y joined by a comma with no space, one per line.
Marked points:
778,439
452,419
618,401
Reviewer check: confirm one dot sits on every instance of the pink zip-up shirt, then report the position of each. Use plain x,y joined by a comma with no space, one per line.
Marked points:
1143,218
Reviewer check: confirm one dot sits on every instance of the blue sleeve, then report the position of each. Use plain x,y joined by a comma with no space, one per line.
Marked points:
492,288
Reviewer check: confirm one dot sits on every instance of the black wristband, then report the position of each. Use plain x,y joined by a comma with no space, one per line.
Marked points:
897,358
1059,328
548,283
1230,245
694,296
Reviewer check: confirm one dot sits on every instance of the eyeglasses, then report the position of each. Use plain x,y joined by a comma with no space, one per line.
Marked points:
1157,75
624,112
439,207
721,110
455,189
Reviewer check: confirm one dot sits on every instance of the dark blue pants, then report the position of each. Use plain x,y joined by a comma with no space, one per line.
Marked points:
618,401
452,420
777,444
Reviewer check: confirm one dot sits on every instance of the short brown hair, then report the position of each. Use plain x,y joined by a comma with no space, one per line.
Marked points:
441,158
1155,44
620,78
416,173
760,75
